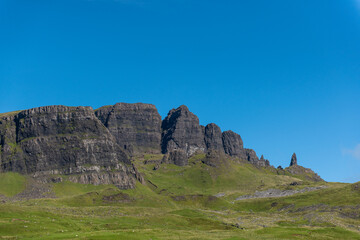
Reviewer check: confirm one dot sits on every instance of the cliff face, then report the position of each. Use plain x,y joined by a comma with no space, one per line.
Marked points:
136,127
181,130
213,138
62,140
233,144
94,147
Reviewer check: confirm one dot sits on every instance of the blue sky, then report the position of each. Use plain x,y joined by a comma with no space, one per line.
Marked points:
283,74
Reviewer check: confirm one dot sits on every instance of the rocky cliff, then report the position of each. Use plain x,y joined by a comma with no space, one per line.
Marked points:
136,127
181,130
63,140
97,146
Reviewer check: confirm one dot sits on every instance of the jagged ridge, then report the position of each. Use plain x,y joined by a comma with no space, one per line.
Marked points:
96,146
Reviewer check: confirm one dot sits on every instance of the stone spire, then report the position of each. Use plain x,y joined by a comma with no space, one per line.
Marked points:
293,160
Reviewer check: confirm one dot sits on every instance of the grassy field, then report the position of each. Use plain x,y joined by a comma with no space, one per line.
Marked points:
180,203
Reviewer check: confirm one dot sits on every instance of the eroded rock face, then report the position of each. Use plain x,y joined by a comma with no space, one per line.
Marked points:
213,138
136,127
181,130
233,144
60,139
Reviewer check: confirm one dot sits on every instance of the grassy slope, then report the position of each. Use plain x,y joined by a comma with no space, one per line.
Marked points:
178,204
11,183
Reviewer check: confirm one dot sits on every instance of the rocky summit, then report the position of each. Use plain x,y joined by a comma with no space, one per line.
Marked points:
98,147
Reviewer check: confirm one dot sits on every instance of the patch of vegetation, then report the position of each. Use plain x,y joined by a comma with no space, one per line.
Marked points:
9,114
11,183
66,188
191,202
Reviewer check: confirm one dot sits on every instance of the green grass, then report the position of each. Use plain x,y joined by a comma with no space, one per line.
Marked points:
66,188
11,183
179,203
8,114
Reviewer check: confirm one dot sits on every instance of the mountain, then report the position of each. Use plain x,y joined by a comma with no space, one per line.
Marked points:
121,172
97,146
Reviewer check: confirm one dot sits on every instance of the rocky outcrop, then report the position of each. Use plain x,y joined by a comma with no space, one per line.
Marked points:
136,127
293,161
233,144
61,140
213,138
177,157
306,173
181,130
264,162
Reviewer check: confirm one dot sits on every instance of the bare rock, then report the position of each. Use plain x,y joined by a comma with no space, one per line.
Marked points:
296,169
181,130
293,161
136,127
232,143
59,140
213,137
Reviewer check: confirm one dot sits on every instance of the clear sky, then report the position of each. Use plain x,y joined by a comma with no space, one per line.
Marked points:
283,74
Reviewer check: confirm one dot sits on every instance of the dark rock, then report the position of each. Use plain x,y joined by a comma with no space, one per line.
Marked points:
295,183
250,155
61,140
213,137
177,157
293,161
233,144
181,130
136,127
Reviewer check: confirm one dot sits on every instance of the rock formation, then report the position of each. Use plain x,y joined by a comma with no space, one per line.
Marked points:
94,147
296,169
181,130
213,138
264,162
136,127
293,161
62,140
233,144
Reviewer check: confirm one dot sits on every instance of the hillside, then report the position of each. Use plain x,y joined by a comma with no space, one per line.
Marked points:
193,202
119,172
